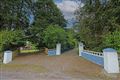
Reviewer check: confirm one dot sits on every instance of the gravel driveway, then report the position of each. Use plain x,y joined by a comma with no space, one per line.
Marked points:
68,66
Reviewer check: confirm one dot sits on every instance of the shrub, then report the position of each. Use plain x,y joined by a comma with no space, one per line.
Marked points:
9,38
112,40
54,34
31,45
85,36
71,40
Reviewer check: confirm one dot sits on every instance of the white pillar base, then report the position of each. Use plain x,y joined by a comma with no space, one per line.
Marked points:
111,64
58,49
7,57
81,48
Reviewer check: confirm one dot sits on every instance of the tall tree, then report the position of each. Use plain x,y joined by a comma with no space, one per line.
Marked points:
97,19
45,13
14,13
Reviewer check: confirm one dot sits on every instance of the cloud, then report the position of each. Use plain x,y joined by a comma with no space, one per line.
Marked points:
68,8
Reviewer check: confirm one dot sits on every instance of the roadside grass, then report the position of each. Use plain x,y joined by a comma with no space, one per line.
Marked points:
24,67
29,51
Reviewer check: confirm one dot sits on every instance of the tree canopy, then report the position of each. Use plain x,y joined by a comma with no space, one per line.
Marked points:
97,18
16,15
45,13
54,34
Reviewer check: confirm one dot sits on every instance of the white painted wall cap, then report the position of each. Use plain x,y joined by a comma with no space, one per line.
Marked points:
109,50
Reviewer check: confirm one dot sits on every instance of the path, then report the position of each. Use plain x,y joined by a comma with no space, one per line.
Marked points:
68,66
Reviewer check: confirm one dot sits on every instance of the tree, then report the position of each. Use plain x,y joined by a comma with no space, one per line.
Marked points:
15,14
45,13
14,19
9,39
71,41
54,34
96,19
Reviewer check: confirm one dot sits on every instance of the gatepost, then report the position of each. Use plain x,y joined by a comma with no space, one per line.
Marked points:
111,64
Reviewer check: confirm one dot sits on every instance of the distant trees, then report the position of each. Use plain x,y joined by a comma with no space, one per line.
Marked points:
97,19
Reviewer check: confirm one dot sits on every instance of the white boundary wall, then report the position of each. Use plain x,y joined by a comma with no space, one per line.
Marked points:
81,48
110,56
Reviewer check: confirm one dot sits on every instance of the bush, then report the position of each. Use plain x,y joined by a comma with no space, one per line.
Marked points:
85,36
31,45
9,38
112,40
71,40
52,35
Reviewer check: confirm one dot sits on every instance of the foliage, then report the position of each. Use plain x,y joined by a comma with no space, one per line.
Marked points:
15,13
45,13
31,45
112,39
54,34
9,38
97,18
71,41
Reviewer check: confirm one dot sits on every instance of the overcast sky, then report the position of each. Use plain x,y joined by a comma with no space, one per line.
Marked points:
68,8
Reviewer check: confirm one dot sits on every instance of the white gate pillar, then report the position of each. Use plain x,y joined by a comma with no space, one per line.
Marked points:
81,48
58,49
7,57
111,64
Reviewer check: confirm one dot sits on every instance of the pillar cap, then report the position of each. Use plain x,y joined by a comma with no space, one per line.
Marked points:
109,50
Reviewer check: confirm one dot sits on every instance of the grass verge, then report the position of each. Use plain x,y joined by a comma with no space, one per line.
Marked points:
29,51
23,67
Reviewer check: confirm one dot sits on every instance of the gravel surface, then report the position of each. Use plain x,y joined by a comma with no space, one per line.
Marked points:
68,66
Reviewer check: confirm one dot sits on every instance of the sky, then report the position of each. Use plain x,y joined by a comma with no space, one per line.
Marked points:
68,8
